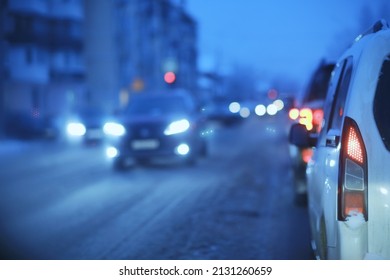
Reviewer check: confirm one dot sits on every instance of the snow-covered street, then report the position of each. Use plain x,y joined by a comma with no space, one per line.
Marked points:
66,202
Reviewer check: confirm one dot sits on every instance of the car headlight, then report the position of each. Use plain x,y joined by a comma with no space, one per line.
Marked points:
177,127
111,152
114,129
76,129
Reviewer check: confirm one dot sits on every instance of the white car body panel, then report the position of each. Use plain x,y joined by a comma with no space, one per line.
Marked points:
378,157
356,238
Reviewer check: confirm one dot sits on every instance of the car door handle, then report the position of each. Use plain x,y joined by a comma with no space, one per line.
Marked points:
332,140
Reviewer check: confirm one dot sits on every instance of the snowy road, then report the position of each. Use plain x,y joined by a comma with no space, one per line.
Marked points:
66,202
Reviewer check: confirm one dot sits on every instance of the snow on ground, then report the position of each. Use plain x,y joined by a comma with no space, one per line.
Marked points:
235,204
11,146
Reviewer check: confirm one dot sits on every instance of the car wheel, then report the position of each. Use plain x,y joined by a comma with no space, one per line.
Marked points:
300,185
300,199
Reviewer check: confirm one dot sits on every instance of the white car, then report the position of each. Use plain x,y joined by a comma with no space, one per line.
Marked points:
349,173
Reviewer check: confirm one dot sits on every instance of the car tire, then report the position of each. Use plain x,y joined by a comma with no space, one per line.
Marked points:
300,199
300,185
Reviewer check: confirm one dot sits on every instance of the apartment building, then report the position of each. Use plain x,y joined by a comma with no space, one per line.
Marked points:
42,64
131,44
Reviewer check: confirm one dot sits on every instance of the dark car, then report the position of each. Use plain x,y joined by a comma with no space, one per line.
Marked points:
224,111
157,126
310,114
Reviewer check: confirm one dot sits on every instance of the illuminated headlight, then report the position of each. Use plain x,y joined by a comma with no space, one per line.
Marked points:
76,129
260,110
182,149
114,129
111,152
234,107
177,127
272,109
245,112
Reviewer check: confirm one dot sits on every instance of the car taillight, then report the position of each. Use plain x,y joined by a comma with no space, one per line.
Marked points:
306,118
318,116
352,195
309,118
307,154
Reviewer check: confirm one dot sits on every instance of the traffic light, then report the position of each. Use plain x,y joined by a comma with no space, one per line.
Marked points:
272,94
170,77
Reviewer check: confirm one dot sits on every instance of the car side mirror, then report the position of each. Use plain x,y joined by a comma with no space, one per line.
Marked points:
300,137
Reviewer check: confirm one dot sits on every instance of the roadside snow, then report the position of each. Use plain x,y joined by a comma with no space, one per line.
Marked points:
8,146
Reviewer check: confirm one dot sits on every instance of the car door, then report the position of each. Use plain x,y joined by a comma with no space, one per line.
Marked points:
323,169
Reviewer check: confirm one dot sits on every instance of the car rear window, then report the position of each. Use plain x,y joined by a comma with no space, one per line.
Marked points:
382,103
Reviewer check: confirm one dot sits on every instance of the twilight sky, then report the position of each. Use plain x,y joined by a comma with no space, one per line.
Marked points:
279,38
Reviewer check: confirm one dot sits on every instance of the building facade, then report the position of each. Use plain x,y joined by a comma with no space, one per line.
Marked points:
131,44
57,55
42,64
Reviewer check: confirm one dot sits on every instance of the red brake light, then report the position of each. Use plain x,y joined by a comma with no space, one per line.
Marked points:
352,196
307,154
354,146
318,116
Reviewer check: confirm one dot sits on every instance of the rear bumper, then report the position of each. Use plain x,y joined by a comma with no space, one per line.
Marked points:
354,243
352,239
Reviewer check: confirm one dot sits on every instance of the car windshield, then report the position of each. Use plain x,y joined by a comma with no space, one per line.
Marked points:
158,105
91,112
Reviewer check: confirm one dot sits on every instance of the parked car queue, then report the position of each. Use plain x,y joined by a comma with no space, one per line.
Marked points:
348,177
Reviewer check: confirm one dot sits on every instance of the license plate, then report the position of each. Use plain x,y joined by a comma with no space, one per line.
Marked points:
94,133
147,144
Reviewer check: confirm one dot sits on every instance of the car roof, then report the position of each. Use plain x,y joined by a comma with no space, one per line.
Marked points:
368,39
368,53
